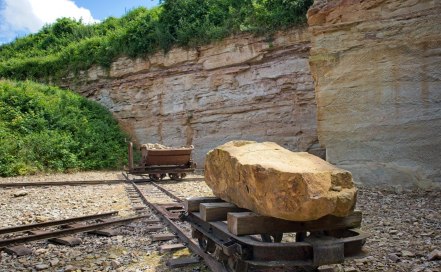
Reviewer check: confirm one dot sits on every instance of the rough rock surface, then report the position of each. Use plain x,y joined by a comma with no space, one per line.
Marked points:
273,181
240,88
377,71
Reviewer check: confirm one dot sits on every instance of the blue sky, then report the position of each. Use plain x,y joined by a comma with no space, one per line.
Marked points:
21,17
102,9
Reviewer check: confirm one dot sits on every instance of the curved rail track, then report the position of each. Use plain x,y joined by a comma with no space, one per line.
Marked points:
168,212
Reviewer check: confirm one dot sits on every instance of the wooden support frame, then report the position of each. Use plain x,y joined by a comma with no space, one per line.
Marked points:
248,223
191,204
217,211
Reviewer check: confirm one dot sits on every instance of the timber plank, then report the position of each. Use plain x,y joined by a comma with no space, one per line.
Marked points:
248,223
217,211
108,232
191,204
153,228
163,237
19,250
66,240
183,261
171,247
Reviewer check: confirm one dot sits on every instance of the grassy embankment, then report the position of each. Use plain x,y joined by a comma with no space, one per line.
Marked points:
46,129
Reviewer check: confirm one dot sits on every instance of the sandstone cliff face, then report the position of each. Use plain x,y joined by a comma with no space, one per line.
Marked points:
241,88
377,71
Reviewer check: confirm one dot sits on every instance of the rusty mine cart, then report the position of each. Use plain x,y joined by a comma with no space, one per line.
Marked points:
157,163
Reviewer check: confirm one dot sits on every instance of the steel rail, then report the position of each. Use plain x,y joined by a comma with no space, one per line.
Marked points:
56,222
62,183
165,191
162,189
213,264
58,233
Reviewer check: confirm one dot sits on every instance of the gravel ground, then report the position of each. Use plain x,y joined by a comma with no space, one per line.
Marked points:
78,176
405,227
131,250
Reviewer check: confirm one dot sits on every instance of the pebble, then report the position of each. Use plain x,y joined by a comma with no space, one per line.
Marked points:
20,193
70,268
434,255
407,253
40,251
393,257
40,267
41,219
54,262
115,264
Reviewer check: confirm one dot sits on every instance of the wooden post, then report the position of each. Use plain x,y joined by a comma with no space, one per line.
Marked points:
130,155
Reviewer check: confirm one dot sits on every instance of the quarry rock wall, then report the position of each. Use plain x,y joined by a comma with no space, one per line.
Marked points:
377,71
243,87
363,81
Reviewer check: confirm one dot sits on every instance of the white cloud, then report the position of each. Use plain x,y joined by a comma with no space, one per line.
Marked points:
28,16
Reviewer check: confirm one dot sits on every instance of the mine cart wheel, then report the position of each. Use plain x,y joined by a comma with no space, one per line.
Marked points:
207,244
272,238
177,176
156,177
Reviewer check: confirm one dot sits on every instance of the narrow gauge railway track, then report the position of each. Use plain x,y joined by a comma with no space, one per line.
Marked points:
61,183
167,206
35,232
326,241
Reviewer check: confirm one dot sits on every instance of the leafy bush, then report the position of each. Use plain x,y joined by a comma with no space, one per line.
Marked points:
44,128
69,46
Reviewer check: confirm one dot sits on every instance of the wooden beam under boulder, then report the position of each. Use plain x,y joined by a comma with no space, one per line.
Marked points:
273,181
191,204
248,223
217,211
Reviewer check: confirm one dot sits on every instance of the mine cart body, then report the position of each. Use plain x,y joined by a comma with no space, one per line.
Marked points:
244,240
157,163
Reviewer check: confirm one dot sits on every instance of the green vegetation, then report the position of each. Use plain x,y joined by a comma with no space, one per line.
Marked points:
46,129
69,46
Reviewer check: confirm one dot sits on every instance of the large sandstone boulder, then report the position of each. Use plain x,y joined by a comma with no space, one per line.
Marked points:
271,180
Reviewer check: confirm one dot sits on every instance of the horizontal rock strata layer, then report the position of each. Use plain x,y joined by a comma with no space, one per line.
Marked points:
377,71
273,181
243,87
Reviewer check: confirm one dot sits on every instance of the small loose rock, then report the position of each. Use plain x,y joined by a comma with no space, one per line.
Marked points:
54,262
20,193
40,267
434,255
115,264
393,257
70,268
406,253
